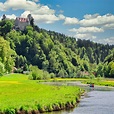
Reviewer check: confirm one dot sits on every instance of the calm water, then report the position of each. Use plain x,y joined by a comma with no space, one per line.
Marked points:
97,101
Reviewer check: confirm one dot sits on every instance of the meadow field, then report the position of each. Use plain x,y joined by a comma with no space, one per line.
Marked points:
18,93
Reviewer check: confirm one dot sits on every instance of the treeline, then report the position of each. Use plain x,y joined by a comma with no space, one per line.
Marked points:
53,53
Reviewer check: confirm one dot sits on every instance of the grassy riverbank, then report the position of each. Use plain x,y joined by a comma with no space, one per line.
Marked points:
18,94
96,81
100,82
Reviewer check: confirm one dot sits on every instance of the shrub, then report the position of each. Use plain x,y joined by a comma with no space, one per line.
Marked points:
37,74
46,75
52,75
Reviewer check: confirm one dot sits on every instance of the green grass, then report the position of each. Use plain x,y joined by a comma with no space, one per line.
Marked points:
96,81
17,92
68,79
101,82
13,77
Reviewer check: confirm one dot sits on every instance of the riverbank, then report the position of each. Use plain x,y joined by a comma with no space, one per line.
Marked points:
100,82
86,81
20,95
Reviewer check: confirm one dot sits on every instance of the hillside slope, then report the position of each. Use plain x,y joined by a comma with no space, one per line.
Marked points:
52,51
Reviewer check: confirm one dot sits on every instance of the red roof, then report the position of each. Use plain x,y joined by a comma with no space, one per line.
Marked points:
22,19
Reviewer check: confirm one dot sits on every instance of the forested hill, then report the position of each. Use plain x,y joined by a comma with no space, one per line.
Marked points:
52,52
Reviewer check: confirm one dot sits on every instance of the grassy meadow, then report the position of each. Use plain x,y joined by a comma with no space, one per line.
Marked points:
18,93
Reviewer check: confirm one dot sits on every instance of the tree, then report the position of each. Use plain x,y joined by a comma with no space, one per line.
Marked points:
100,70
5,27
111,68
86,65
2,69
7,55
45,64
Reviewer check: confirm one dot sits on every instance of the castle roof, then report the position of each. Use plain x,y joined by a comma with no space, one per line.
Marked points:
22,19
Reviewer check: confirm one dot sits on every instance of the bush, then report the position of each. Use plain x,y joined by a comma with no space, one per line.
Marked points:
46,75
37,74
52,75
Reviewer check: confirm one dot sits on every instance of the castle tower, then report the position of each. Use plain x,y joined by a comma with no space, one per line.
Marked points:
31,19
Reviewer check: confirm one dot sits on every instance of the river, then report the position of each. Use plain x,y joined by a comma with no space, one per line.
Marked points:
97,101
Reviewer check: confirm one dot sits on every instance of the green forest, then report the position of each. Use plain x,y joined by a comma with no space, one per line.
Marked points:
48,54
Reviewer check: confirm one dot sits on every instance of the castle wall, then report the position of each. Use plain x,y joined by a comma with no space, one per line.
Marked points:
21,25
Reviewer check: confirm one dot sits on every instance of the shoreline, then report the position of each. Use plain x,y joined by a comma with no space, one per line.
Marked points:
55,107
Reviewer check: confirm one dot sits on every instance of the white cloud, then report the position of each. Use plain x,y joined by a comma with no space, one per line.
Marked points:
95,23
92,20
27,6
89,16
109,40
108,26
71,21
61,17
87,30
41,13
45,18
2,7
20,4
35,0
43,10
13,16
25,14
85,36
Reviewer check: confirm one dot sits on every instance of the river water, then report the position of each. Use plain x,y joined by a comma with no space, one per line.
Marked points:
97,101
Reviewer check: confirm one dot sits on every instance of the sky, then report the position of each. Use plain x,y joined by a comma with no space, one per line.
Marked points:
82,19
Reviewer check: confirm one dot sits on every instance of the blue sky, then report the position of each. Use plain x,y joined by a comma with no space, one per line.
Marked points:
84,19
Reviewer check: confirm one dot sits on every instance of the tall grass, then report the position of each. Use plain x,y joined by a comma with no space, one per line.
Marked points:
17,93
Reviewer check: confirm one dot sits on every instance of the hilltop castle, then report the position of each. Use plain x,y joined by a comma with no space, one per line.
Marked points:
21,23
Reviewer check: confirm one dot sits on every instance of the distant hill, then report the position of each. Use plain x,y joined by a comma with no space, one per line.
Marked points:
52,51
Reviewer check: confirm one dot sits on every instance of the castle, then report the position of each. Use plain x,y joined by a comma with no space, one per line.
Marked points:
21,23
